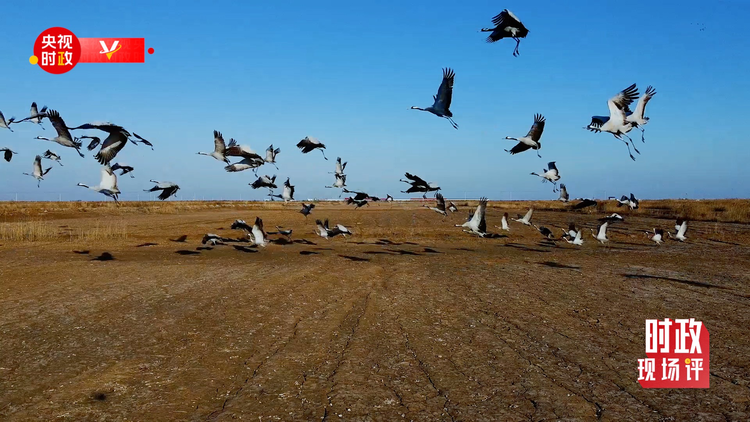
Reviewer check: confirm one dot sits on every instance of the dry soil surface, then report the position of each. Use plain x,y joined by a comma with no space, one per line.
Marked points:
408,319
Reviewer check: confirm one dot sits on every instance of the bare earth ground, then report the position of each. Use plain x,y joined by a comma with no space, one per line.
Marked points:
409,319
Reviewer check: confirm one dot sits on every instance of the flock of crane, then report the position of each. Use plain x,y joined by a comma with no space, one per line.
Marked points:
477,223
116,140
620,121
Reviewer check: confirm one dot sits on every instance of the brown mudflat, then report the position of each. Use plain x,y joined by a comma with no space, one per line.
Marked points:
108,315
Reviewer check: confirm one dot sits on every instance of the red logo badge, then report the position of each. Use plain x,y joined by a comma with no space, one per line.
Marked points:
57,50
678,355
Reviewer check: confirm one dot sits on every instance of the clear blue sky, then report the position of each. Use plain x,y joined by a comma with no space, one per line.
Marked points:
346,72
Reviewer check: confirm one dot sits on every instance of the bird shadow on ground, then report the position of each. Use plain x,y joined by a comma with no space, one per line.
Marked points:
180,239
377,253
187,252
495,236
146,244
308,253
105,256
323,249
244,249
404,252
99,396
204,248
82,252
676,280
430,250
525,248
553,264
305,242
617,248
355,258
464,249
384,242
282,241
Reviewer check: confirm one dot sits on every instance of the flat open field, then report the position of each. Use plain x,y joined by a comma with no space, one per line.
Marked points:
409,319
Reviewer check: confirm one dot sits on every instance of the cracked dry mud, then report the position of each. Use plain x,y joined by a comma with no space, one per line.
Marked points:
409,319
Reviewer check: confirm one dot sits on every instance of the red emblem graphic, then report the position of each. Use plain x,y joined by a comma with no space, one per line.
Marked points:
57,50
678,354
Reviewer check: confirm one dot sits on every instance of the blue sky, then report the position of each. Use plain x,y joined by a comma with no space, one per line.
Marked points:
347,72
